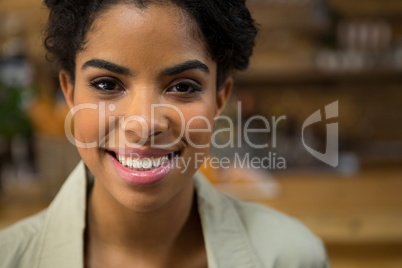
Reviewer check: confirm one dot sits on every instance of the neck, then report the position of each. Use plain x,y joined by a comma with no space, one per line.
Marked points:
113,225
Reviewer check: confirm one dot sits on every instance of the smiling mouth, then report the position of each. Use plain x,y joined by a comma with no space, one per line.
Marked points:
137,163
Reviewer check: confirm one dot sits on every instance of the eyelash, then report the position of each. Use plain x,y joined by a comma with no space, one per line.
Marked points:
96,84
194,88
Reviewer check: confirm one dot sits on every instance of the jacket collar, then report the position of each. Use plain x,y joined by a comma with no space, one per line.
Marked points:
61,241
226,240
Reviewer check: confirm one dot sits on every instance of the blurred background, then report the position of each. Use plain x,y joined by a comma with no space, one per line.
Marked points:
309,53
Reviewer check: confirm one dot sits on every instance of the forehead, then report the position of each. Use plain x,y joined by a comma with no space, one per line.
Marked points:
155,34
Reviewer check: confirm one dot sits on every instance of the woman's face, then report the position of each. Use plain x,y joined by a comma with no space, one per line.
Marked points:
145,91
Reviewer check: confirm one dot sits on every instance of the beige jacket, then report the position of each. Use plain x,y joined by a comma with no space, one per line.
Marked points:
237,234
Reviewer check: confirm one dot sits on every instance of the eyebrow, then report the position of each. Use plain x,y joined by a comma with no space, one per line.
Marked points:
170,71
102,64
185,66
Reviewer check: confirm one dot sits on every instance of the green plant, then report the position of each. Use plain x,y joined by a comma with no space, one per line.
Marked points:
13,118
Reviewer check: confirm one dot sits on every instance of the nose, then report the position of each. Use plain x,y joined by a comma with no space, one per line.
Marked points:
143,119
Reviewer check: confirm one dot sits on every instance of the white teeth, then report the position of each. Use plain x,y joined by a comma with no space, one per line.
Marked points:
129,162
156,162
142,163
146,163
136,163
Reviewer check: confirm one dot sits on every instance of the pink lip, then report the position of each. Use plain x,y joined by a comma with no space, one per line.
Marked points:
135,177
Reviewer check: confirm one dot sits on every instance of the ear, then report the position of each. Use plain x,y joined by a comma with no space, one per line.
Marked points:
67,87
223,95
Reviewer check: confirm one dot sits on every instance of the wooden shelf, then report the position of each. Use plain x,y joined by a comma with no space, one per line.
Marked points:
360,208
315,77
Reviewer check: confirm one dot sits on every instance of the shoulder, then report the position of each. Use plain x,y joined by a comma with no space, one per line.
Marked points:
20,239
288,241
254,233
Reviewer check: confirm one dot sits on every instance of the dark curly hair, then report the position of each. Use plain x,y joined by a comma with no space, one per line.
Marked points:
226,26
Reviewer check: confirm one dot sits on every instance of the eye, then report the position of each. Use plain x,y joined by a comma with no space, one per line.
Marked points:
106,85
184,88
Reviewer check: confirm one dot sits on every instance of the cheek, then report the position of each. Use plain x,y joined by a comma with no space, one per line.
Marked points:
86,116
199,124
86,125
86,133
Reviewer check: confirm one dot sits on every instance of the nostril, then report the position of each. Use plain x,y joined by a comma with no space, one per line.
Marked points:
156,133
